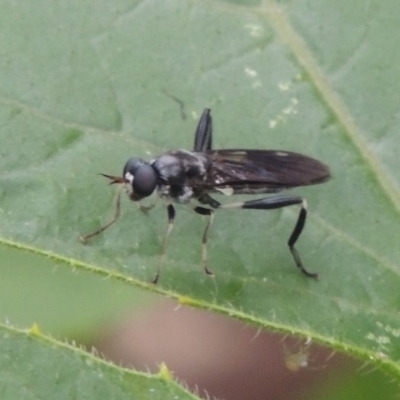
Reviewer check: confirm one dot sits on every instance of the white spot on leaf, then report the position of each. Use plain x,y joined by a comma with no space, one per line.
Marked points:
254,30
250,72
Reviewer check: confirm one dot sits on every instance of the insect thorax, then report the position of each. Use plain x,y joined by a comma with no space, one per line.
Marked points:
176,169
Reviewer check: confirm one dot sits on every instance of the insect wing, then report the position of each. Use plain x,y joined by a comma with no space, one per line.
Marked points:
203,135
263,171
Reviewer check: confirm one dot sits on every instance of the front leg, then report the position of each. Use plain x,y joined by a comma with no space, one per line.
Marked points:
117,212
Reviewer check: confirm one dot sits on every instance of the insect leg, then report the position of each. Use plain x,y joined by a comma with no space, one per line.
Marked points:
171,218
203,135
271,203
146,209
84,238
210,214
206,199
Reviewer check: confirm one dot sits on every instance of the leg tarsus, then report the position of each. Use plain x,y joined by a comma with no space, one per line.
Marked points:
84,238
293,239
300,265
154,281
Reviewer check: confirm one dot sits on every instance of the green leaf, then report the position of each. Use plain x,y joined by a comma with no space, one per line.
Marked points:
87,85
36,366
61,300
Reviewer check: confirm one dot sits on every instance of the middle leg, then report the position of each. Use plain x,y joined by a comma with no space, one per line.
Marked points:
171,218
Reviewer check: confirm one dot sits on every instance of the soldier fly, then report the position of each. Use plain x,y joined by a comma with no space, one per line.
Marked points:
190,177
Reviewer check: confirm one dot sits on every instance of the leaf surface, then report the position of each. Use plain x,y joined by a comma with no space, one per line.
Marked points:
90,84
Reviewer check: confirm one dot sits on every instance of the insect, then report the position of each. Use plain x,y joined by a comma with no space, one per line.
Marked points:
295,360
191,177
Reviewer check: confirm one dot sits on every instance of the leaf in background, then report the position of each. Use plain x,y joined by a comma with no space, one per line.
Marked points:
88,85
63,301
35,366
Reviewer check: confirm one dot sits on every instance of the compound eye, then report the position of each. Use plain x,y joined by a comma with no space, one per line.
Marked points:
145,180
131,165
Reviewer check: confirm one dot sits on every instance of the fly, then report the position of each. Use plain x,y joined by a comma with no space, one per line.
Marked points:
192,177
